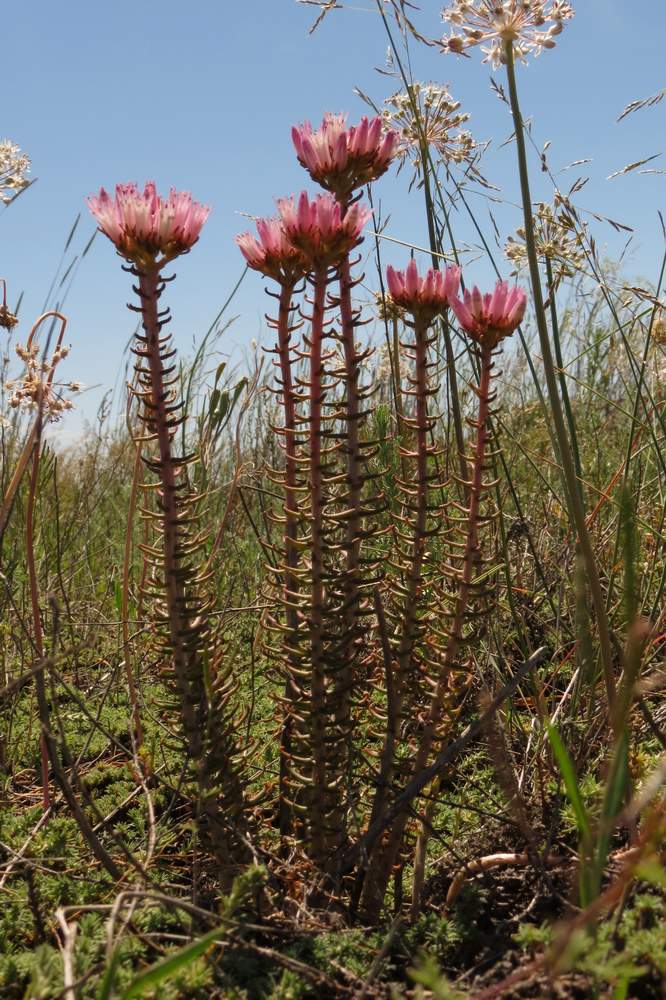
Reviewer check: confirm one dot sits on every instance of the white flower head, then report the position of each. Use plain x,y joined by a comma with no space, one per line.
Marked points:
426,112
14,165
530,25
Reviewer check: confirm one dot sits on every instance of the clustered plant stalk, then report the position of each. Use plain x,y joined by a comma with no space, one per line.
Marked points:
149,232
38,389
339,777
327,569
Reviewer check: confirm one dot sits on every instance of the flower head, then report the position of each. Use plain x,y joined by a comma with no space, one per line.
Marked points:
14,165
427,111
272,253
491,317
343,159
425,297
530,25
36,389
320,228
558,237
145,226
659,328
8,319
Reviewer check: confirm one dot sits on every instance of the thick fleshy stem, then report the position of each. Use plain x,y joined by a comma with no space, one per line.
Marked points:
576,502
423,428
203,681
350,583
407,625
318,664
179,619
382,863
283,328
124,609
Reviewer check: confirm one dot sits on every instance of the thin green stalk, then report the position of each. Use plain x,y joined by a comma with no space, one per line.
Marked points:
554,322
575,498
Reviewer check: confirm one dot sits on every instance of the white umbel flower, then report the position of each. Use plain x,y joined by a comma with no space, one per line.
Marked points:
14,165
531,25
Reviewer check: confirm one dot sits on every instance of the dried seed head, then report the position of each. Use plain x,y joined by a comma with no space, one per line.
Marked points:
426,112
7,318
36,389
14,165
386,308
559,239
659,328
530,25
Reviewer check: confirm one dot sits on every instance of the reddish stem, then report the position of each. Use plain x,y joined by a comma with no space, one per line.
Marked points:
318,667
179,623
382,865
290,547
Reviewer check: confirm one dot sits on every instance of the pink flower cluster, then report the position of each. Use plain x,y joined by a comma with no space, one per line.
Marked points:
491,317
343,159
144,225
272,253
320,228
424,297
305,235
486,318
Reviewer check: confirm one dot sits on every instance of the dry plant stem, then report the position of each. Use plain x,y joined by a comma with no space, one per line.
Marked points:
290,546
575,498
318,665
489,861
381,865
17,475
69,932
38,634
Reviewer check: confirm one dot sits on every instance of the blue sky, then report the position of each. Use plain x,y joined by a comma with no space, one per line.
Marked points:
202,96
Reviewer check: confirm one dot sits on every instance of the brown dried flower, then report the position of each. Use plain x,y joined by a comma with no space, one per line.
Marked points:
36,389
7,318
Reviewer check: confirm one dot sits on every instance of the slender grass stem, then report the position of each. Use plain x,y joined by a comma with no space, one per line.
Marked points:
575,498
